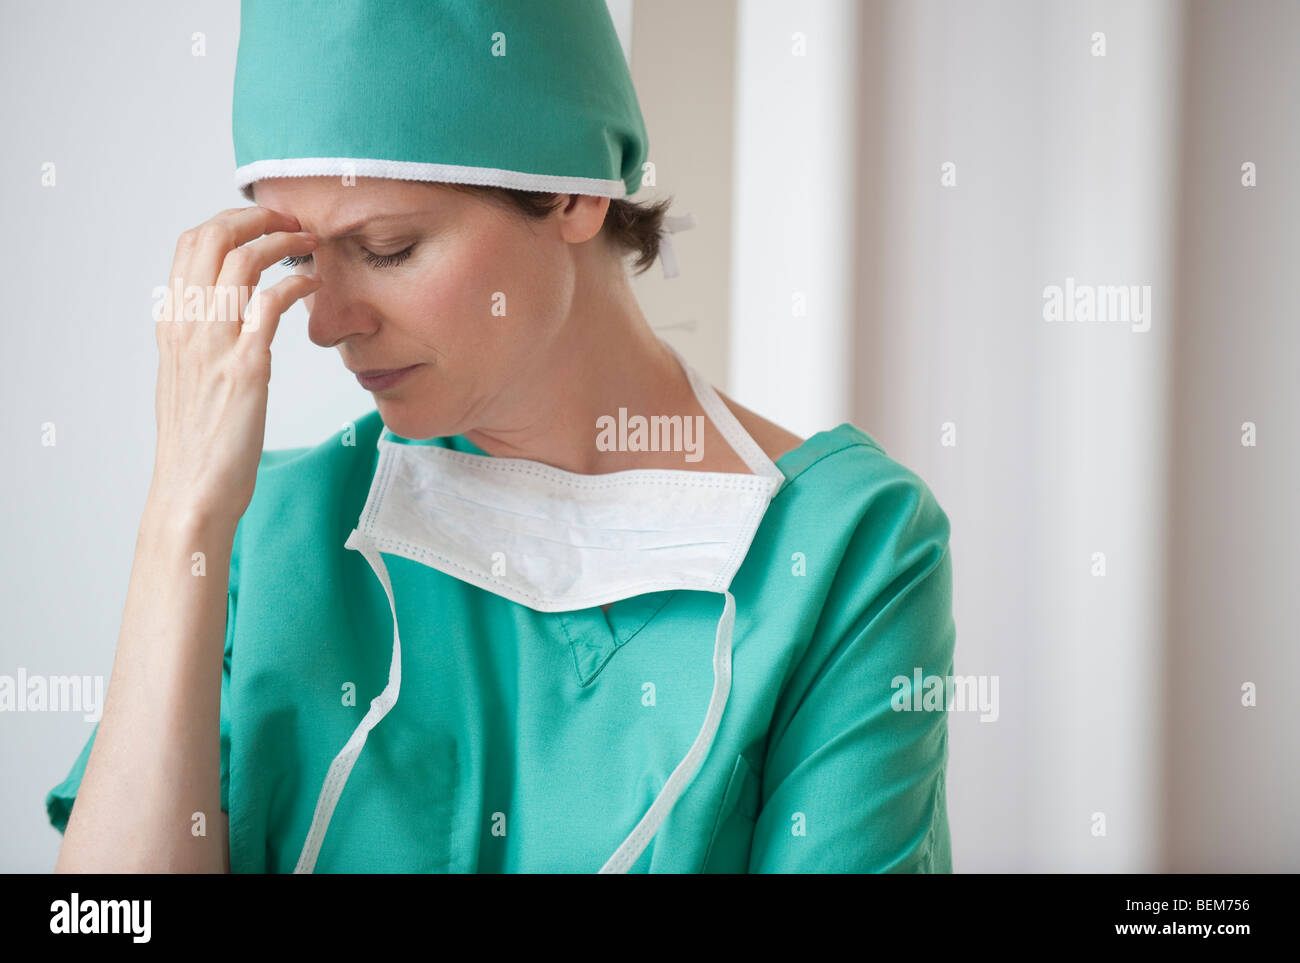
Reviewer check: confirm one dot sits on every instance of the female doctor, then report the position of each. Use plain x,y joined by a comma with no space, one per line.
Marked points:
556,605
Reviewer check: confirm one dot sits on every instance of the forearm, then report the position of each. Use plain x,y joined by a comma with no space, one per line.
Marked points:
155,762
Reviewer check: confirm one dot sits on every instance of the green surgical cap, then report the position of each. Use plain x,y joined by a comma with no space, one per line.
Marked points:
527,94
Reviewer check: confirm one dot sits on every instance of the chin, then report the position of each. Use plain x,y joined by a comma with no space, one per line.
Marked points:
401,419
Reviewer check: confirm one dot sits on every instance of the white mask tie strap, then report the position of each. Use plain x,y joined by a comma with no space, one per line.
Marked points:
341,767
667,253
627,854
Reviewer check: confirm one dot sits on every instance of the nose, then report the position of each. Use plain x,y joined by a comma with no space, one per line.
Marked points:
334,312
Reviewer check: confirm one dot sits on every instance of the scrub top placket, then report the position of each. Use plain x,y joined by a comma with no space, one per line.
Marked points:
595,635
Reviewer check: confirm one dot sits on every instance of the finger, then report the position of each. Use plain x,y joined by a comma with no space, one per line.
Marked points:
264,310
186,245
219,235
243,268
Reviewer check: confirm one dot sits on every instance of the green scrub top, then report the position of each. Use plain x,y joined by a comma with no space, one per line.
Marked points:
525,741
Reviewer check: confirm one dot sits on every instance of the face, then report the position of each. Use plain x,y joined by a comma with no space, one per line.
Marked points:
468,294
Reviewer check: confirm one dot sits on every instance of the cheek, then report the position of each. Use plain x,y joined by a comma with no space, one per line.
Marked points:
510,272
491,289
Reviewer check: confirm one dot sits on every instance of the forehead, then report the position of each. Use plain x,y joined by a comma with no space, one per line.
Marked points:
329,205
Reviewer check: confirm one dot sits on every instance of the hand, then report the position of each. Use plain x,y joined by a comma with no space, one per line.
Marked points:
214,359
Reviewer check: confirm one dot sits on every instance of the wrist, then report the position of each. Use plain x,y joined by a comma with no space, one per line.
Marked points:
170,512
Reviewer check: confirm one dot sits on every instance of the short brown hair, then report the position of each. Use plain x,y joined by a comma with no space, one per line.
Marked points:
632,228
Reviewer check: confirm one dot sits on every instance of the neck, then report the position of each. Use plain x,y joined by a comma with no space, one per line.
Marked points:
604,357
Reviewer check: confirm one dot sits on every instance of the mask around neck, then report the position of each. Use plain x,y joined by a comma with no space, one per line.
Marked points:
557,541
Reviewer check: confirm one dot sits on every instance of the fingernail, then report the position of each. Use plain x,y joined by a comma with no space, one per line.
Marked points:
312,277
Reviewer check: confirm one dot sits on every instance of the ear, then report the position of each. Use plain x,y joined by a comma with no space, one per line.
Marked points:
582,217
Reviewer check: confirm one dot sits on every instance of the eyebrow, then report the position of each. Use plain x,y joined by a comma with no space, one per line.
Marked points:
347,230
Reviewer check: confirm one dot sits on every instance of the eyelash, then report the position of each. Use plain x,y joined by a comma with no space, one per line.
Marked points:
377,260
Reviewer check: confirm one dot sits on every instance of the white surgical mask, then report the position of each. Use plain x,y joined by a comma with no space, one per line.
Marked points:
557,541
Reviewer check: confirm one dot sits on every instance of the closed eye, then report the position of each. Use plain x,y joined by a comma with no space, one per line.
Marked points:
376,260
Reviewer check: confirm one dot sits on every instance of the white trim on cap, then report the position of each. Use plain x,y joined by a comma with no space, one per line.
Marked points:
416,171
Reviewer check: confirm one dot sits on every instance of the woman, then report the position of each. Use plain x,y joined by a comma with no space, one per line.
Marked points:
664,645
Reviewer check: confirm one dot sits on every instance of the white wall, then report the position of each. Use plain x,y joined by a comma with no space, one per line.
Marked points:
1234,786
795,180
682,56
1059,421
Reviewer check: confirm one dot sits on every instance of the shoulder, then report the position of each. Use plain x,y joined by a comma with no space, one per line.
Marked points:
875,541
771,437
859,461
843,482
846,473
354,441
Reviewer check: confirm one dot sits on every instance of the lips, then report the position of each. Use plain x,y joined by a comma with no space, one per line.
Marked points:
379,379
